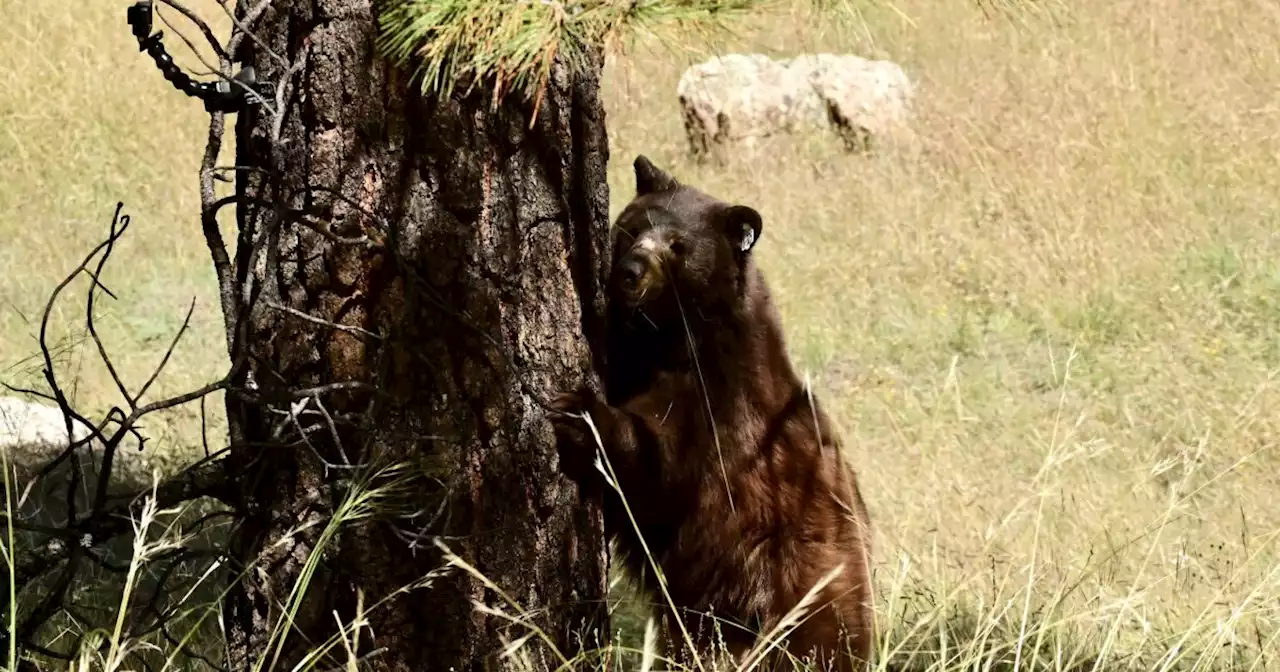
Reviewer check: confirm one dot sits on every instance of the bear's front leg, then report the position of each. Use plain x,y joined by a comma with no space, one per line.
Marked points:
577,445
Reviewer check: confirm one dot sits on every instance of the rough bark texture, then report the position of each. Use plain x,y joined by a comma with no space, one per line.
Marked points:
483,284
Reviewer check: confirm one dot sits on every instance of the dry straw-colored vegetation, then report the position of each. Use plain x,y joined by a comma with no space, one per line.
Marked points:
1050,328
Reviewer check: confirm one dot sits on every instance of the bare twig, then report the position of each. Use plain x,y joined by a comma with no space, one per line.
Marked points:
169,352
97,282
203,25
323,230
204,428
259,396
364,334
244,29
212,69
35,393
293,413
212,234
118,226
333,429
93,330
310,189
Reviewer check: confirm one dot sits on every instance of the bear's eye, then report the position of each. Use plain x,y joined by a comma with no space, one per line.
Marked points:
677,248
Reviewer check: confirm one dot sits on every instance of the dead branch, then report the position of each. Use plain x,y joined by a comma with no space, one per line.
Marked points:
93,329
61,552
203,25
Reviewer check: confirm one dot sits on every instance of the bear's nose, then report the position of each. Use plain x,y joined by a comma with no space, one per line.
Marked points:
629,271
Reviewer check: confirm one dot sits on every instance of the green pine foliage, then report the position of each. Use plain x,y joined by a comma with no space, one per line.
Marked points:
512,45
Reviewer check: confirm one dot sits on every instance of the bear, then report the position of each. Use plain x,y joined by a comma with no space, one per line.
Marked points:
733,477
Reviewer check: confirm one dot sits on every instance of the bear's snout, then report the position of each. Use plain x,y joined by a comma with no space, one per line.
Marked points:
639,276
630,271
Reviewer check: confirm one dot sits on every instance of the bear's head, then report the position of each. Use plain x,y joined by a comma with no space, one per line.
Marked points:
676,248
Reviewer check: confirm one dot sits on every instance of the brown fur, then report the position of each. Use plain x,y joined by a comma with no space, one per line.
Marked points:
700,393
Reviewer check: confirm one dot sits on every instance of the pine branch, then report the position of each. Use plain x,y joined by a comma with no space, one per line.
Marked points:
511,45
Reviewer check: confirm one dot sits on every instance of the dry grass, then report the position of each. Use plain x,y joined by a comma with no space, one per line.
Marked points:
1049,331
86,121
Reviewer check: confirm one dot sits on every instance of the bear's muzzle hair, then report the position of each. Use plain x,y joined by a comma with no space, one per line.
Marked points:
641,273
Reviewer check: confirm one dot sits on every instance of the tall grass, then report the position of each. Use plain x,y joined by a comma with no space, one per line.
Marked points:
159,531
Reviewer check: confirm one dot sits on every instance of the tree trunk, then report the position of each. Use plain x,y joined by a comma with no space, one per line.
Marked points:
476,296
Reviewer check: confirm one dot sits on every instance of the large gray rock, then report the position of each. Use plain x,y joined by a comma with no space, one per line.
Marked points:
744,97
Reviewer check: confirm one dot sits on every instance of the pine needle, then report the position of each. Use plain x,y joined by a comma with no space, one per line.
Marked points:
512,46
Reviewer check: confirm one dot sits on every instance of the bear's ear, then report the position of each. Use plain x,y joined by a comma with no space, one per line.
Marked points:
741,224
650,178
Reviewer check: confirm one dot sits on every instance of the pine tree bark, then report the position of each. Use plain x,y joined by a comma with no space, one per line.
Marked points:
477,295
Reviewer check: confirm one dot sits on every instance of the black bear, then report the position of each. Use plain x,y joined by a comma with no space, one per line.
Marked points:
730,470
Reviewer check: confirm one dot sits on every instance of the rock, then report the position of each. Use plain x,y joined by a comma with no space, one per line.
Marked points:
743,97
32,435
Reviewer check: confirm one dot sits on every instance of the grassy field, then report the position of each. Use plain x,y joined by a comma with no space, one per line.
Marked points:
1050,330
86,121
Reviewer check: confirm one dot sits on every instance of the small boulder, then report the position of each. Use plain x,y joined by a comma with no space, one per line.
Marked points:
743,97
32,436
